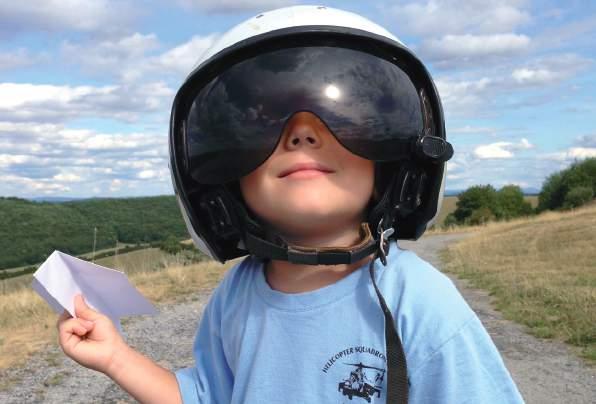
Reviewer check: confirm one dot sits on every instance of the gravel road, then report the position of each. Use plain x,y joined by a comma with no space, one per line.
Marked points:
545,371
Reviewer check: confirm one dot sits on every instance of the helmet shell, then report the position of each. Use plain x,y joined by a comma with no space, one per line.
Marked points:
297,19
294,16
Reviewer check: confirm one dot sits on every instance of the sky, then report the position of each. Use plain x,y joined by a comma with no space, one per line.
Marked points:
86,86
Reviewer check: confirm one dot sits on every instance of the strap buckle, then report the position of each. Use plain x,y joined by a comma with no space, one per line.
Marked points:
384,241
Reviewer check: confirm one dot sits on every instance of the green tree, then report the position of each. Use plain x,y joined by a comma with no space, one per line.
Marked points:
449,221
581,174
578,196
551,196
474,198
481,215
511,203
30,231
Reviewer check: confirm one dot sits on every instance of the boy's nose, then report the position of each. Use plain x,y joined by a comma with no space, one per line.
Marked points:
302,132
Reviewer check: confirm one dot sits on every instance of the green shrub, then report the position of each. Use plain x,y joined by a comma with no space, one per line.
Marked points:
578,196
556,188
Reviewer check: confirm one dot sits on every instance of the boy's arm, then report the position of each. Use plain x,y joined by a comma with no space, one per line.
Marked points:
142,378
92,340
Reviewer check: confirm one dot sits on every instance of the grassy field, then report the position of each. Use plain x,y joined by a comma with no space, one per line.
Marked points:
541,272
146,260
27,323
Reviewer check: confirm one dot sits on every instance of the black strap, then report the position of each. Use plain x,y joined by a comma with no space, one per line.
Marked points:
397,368
263,248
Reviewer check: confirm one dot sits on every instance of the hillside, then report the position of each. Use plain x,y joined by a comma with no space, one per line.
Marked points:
541,271
29,231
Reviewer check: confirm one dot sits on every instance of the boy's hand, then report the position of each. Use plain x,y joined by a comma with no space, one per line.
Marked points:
90,339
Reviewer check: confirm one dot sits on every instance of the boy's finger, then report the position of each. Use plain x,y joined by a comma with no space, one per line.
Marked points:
64,316
82,310
76,326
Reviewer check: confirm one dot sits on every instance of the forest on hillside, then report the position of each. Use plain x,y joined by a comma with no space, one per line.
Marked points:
30,231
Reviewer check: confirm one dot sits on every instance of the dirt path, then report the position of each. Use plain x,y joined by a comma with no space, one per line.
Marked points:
545,372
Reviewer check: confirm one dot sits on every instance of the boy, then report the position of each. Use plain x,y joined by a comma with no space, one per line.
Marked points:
311,147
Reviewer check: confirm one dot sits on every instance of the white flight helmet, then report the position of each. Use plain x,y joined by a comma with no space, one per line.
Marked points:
228,115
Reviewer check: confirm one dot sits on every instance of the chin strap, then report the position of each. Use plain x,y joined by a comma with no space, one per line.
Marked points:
313,256
397,368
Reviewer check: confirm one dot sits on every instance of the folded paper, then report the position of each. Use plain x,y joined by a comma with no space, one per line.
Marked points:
61,277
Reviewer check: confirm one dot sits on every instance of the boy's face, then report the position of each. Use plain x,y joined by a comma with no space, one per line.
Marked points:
311,185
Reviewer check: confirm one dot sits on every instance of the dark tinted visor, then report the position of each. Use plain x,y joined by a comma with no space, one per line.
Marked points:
234,123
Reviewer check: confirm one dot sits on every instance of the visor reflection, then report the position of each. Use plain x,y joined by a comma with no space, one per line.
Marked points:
235,121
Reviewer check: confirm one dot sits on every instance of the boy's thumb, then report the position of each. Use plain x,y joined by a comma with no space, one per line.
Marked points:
82,310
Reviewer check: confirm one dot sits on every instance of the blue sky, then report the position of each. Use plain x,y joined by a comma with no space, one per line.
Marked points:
86,86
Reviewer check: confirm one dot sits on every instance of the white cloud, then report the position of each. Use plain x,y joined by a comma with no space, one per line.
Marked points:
455,50
500,89
49,103
441,17
34,187
18,58
587,140
501,150
111,53
494,151
62,15
146,174
473,130
464,97
67,177
551,69
572,34
85,157
530,76
115,185
231,6
581,152
527,172
137,57
7,159
452,166
573,153
182,58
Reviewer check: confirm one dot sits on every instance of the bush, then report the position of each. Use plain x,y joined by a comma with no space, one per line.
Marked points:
474,198
511,203
481,216
578,196
482,203
450,221
171,245
556,188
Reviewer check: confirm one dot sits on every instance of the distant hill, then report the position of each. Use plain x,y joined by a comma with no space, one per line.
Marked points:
54,199
30,231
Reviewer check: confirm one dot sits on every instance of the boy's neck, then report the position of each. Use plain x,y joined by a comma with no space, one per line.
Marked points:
287,277
296,278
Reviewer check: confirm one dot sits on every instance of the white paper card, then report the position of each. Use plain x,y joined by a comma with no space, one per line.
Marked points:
61,277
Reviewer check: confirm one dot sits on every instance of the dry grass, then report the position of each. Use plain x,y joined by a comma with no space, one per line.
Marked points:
541,272
28,324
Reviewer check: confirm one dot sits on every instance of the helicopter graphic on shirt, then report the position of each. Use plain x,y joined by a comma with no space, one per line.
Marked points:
359,384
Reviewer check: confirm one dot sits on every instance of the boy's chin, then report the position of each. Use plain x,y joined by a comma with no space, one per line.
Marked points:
314,226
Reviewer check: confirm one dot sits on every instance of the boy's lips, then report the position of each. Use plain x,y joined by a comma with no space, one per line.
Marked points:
305,166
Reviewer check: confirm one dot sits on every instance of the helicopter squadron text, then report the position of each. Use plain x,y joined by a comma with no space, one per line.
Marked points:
349,351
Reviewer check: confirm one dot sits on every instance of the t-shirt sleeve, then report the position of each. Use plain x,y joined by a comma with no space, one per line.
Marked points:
467,368
210,380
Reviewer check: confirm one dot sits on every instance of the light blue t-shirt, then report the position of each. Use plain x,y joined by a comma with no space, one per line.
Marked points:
257,345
